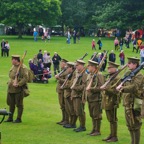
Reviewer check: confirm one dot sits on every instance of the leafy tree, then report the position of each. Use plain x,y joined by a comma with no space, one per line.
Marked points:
73,12
120,14
20,13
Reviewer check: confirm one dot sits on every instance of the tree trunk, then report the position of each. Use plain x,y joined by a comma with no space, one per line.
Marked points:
20,31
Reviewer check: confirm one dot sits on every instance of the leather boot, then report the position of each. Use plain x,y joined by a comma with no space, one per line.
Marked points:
113,133
114,129
63,118
98,125
82,120
74,119
136,135
132,137
110,136
20,112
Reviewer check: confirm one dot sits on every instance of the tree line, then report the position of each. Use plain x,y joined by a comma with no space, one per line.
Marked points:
124,14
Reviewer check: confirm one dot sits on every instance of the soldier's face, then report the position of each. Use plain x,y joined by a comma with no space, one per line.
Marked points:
79,67
62,64
69,69
14,62
91,68
111,70
131,66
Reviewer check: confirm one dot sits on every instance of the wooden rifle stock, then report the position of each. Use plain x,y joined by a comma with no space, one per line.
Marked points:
18,69
97,70
68,77
59,74
113,77
80,74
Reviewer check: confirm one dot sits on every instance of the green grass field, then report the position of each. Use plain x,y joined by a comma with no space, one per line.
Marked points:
41,108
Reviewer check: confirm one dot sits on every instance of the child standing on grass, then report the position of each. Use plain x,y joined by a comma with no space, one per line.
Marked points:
93,44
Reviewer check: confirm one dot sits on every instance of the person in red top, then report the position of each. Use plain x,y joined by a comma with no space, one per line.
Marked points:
122,58
93,45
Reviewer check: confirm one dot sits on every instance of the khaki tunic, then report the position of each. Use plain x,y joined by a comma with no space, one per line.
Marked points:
78,94
132,99
110,97
61,91
22,79
15,94
94,96
67,96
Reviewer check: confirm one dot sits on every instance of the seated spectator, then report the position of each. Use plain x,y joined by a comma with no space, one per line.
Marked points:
33,67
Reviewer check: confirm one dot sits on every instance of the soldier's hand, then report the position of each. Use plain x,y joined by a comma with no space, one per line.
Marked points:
57,76
119,88
15,85
87,89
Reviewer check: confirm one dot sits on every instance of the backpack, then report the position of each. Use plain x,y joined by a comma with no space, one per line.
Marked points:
30,76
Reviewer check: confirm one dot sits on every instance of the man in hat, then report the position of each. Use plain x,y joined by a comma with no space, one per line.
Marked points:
110,102
94,96
61,78
15,87
67,95
77,94
132,100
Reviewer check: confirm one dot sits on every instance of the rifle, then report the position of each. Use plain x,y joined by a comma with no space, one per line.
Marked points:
17,72
68,77
83,56
80,74
59,74
97,70
113,77
130,76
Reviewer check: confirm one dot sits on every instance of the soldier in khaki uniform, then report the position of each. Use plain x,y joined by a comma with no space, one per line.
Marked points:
132,99
77,94
61,78
94,97
67,96
110,102
15,93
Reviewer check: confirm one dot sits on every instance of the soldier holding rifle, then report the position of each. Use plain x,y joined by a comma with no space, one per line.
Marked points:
110,102
61,78
67,95
18,79
77,94
93,93
132,98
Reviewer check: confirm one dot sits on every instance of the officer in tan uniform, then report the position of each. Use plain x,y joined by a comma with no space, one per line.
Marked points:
110,102
67,95
77,94
94,97
132,99
61,78
15,87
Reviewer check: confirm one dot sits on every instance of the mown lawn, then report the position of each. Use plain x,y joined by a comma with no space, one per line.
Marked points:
41,108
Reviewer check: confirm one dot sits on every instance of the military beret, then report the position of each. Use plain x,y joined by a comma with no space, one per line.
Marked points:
70,63
112,65
133,59
92,63
80,62
64,60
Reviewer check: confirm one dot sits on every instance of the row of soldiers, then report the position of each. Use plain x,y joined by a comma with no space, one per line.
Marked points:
75,87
